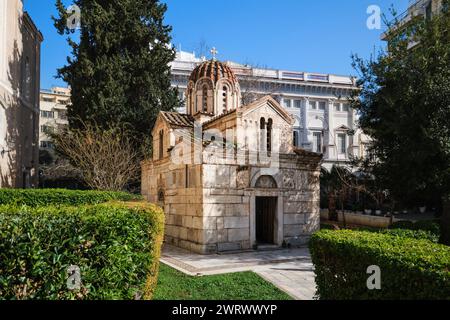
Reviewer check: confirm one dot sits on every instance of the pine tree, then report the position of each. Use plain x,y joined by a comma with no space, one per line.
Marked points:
119,70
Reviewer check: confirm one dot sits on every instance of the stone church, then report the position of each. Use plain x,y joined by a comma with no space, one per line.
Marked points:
227,175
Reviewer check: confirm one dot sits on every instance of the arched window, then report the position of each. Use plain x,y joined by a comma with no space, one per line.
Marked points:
269,135
205,99
262,123
266,182
295,138
161,144
225,99
161,196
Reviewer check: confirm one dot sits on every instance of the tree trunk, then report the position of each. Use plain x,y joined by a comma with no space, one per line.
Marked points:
332,212
445,221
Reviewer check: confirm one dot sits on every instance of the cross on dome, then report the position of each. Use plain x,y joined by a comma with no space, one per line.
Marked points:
214,52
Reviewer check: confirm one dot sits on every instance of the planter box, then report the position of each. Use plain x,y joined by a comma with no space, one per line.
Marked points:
324,215
364,220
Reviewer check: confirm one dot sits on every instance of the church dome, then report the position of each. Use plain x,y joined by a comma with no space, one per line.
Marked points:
212,90
213,70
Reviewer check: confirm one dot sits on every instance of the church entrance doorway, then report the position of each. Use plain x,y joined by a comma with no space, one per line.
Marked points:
266,209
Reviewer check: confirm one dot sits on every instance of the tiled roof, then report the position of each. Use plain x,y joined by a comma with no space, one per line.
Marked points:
178,119
214,70
220,116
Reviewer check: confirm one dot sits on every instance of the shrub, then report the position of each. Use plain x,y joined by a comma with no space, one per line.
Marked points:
404,224
115,245
431,226
43,197
415,234
410,268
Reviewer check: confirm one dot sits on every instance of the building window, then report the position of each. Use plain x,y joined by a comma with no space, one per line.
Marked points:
27,79
298,103
337,107
313,105
322,105
287,103
317,142
47,145
205,99
342,143
262,123
295,141
62,115
225,99
161,144
161,196
269,135
48,114
47,129
346,107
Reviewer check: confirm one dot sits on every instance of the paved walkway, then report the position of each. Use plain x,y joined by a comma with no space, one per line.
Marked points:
290,270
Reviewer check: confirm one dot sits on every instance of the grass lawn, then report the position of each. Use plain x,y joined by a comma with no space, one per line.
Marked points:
174,285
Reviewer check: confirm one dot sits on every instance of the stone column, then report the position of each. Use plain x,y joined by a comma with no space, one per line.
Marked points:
304,118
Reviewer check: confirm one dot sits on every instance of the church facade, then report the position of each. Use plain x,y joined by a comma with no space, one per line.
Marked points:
228,176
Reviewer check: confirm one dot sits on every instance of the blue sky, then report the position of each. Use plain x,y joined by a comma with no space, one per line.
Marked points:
300,35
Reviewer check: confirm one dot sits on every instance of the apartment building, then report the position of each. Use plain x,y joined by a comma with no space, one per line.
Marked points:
53,114
20,46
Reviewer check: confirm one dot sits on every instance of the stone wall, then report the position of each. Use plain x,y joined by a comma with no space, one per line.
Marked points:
182,201
226,208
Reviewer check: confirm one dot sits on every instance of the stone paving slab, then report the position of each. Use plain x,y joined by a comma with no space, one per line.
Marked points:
291,270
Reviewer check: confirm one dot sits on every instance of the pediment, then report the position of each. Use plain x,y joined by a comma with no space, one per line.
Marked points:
342,128
267,105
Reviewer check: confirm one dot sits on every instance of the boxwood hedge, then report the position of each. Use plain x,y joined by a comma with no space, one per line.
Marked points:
43,197
432,226
416,234
115,245
410,268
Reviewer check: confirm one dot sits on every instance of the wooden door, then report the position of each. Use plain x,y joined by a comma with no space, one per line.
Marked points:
265,219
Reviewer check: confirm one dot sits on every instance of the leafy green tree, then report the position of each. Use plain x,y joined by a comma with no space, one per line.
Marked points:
404,105
119,70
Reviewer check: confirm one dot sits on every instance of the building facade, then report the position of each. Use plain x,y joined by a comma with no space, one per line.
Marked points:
20,43
228,175
324,122
53,115
422,9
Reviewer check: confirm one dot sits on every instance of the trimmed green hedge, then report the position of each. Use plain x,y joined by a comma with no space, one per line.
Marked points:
43,197
415,234
115,245
430,227
410,268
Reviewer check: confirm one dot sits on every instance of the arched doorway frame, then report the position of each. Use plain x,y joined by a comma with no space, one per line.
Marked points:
270,192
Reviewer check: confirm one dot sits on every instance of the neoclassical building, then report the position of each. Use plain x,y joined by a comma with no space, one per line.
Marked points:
323,121
228,175
20,43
